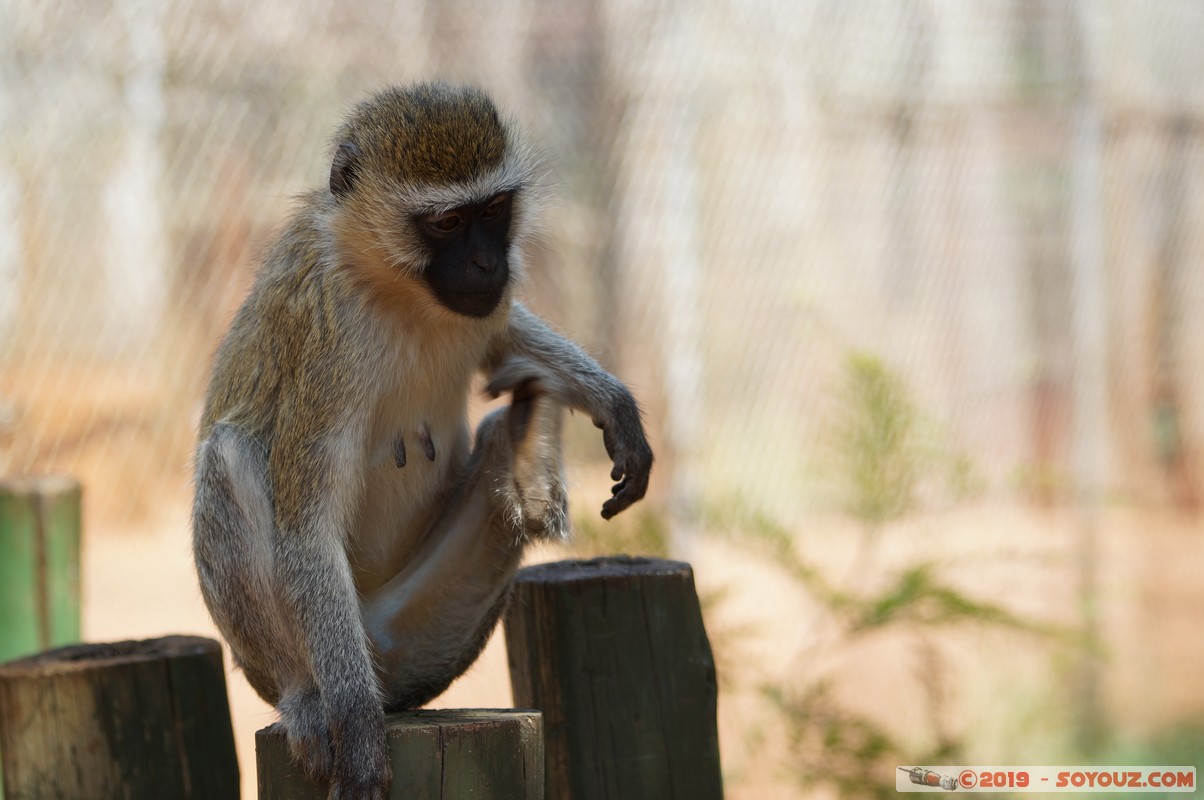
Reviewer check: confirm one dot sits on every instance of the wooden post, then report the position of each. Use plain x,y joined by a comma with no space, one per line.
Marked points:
613,651
450,754
129,720
39,564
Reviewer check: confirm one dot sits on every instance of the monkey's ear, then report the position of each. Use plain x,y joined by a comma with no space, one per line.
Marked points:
344,170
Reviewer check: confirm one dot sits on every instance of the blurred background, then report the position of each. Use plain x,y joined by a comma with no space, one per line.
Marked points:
905,289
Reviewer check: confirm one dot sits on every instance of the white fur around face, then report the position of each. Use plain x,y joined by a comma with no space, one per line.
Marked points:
398,240
514,174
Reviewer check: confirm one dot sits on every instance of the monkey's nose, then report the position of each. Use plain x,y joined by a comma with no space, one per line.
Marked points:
485,262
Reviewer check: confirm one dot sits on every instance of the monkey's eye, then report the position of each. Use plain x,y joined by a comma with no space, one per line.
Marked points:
443,223
496,206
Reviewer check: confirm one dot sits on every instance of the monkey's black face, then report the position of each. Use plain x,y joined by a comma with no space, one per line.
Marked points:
469,268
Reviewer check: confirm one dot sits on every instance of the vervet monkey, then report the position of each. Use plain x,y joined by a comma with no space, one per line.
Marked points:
352,548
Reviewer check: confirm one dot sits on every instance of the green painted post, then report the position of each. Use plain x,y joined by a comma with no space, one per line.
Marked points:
39,564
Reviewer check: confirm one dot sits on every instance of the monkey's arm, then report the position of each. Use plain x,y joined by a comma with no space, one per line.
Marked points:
589,388
315,465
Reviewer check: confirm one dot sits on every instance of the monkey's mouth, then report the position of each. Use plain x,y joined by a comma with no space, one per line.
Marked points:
470,293
473,304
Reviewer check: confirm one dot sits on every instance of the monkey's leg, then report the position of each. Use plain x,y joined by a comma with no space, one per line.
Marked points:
535,482
233,546
429,623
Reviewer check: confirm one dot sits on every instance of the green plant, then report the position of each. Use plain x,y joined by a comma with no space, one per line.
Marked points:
877,450
883,450
640,533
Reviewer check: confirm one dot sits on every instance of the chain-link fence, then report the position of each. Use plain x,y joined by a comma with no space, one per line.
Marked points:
1001,200
746,193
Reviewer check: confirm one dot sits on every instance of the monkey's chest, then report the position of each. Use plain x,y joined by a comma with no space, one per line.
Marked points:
413,458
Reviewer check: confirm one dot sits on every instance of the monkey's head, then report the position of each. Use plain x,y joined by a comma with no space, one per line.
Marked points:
434,186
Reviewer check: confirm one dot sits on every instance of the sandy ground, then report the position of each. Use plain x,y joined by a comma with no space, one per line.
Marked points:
139,583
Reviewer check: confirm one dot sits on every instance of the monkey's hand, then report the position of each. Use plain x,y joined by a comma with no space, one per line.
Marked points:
524,377
622,429
588,388
361,758
623,435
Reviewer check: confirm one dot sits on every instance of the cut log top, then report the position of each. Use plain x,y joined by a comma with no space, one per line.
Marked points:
449,754
81,657
614,652
132,720
603,568
478,720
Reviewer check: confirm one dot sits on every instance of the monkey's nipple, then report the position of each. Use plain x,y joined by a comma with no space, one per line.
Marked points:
428,446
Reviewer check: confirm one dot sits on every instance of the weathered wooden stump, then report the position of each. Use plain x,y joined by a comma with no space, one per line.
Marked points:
128,720
453,754
614,653
39,564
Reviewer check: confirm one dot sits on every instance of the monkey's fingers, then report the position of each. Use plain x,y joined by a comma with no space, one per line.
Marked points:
516,372
361,766
632,487
620,501
511,373
610,508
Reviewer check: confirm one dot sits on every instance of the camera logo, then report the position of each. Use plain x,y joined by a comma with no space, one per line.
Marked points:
926,777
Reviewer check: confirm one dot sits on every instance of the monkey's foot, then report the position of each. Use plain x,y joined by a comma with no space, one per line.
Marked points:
361,763
546,515
539,499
